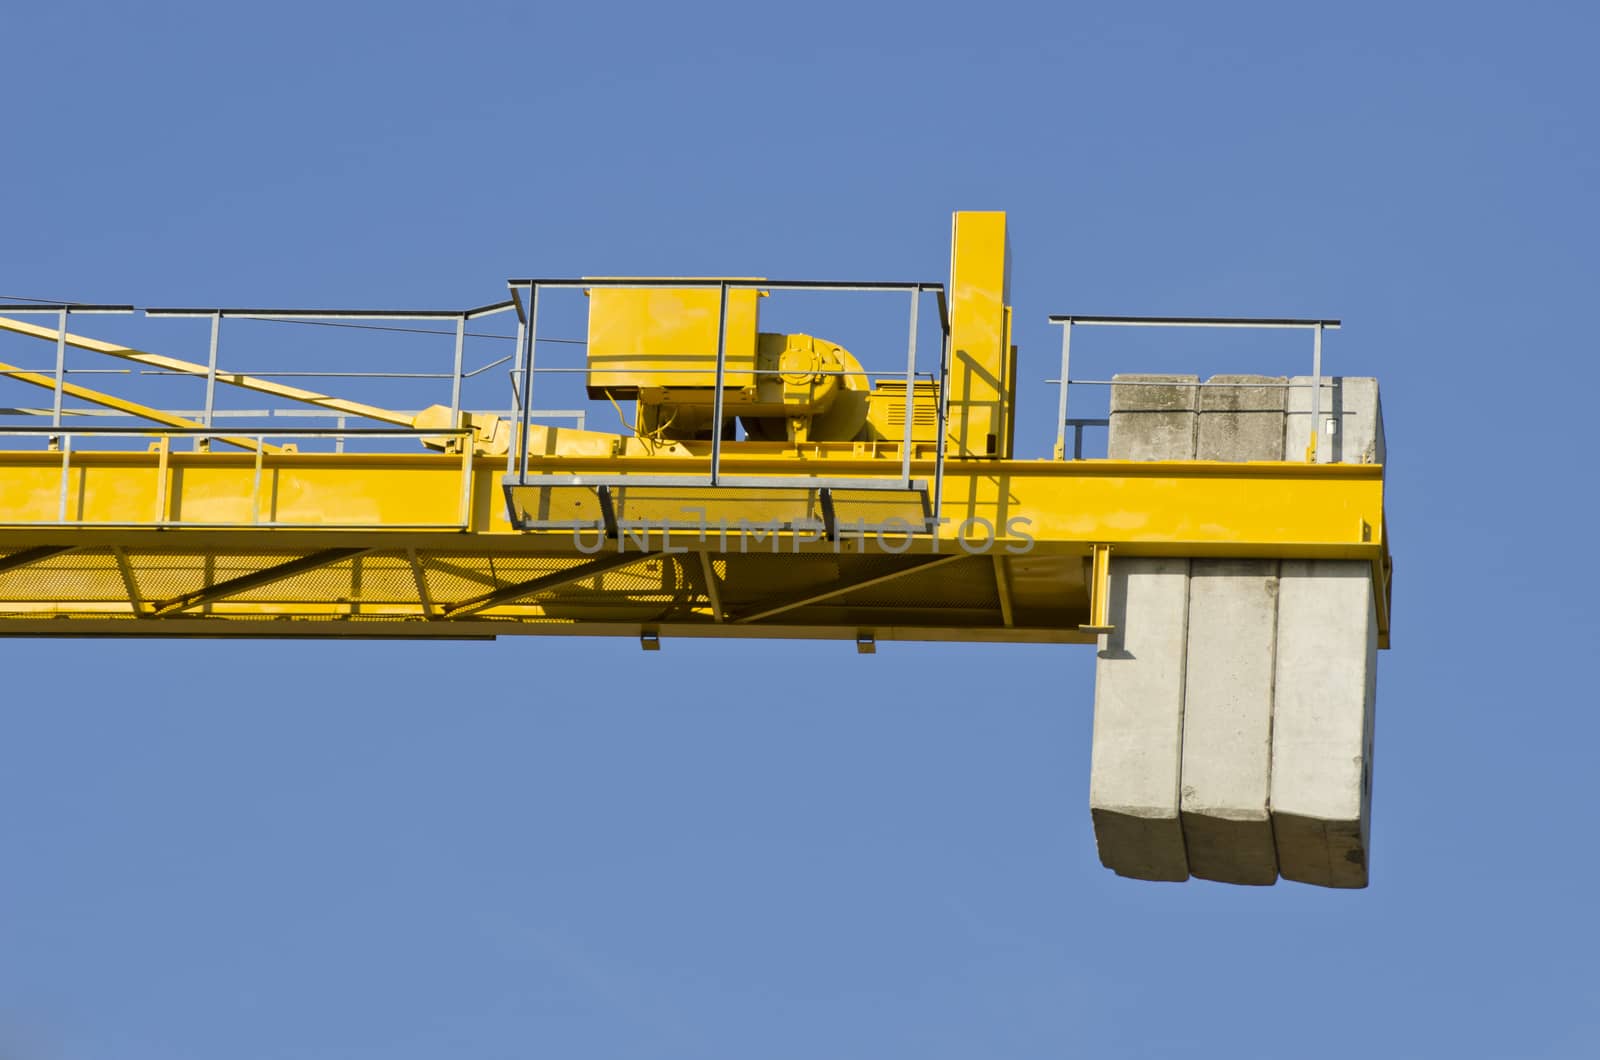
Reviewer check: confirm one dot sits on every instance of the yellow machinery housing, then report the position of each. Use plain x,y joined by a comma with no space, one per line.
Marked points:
658,346
770,486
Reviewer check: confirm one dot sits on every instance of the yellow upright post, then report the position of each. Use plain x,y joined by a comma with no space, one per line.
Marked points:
982,363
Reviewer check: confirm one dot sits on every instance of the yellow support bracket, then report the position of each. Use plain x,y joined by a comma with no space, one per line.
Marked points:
1099,591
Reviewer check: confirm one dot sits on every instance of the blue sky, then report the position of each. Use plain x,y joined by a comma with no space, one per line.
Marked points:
572,848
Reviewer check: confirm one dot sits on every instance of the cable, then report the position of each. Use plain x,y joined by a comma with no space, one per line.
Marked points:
46,301
410,331
334,324
653,438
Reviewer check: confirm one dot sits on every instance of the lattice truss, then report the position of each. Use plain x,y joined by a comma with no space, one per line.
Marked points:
449,588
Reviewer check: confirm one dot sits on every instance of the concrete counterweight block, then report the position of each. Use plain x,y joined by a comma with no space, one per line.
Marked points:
1233,625
1227,721
1152,417
1234,702
1138,722
1350,405
1241,420
1138,692
1326,685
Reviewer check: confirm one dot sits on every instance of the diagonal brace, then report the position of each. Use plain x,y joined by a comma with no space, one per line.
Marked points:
247,382
543,583
31,555
132,408
253,580
817,596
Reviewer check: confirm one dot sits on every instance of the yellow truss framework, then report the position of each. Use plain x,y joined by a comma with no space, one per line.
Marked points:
607,534
422,545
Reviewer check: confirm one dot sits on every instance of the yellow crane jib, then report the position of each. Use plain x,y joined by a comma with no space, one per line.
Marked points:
853,464
1228,554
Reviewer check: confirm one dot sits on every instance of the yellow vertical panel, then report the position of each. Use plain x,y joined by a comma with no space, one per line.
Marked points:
667,337
31,492
315,494
980,335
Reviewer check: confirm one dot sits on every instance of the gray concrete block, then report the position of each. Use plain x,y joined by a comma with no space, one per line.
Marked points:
1247,688
1326,690
1152,419
1327,666
1138,721
1239,422
1227,721
1227,738
1352,405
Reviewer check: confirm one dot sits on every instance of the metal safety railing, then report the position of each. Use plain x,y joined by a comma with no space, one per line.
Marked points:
260,450
1078,426
63,311
212,371
1072,320
337,435
526,369
456,375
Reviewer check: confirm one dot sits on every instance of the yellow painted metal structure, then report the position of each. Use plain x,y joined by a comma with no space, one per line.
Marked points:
666,337
801,537
983,370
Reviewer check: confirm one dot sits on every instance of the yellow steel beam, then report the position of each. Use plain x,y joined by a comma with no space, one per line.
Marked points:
982,369
1266,509
1099,592
132,408
424,597
301,627
408,508
1002,589
1177,508
129,581
713,590
247,382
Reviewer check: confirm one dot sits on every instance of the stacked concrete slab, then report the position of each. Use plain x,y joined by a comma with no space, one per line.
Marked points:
1326,683
1137,758
1233,704
1326,687
1233,613
1350,406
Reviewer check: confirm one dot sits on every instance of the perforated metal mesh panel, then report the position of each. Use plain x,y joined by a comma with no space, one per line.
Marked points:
83,575
244,589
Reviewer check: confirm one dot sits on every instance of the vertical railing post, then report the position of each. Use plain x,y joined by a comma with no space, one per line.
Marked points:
944,422
163,451
516,401
1061,403
528,345
1316,392
467,453
716,394
455,375
911,381
66,475
61,365
255,485
211,379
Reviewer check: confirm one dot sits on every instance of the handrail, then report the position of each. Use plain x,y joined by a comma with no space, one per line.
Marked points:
1068,321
